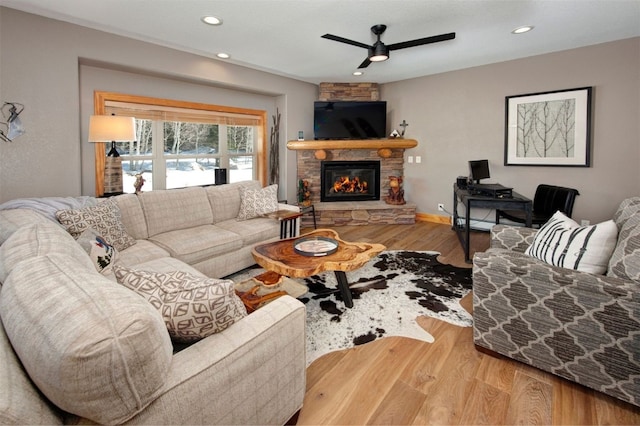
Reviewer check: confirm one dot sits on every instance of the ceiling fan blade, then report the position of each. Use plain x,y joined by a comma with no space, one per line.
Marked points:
365,63
421,41
345,40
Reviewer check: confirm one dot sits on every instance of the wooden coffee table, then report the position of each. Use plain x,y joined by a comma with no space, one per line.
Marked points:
280,257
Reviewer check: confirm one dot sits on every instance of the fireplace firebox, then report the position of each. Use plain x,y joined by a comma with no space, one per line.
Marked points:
349,180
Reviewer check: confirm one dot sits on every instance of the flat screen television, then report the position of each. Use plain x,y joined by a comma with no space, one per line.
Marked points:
479,170
350,120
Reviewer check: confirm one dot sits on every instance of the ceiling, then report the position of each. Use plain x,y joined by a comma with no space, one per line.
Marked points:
284,36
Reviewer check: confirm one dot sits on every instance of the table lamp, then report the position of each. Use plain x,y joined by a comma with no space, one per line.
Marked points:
112,128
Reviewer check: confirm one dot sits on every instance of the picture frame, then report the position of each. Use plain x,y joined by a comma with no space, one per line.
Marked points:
549,128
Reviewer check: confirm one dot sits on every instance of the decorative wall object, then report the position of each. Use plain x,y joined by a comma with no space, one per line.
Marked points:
548,129
13,124
274,150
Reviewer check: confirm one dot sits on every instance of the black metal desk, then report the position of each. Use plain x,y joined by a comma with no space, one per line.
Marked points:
469,200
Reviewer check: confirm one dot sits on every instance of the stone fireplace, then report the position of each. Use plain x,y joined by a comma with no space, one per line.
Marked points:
388,153
349,181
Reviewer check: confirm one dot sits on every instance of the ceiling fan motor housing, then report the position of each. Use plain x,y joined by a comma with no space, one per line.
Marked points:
379,52
378,30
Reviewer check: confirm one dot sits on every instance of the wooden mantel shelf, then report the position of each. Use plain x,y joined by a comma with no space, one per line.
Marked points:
384,146
353,144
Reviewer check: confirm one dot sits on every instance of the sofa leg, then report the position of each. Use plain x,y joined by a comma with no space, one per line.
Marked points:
489,352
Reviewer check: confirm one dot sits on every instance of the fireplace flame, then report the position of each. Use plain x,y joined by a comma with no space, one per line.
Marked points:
348,185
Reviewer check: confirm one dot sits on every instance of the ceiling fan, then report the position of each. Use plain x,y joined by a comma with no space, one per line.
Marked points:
379,52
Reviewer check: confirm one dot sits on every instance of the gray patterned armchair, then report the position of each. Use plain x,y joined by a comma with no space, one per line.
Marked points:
580,326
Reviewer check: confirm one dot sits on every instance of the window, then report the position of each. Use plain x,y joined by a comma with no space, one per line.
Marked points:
181,144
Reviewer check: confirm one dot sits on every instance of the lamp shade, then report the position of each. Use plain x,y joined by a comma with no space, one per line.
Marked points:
109,128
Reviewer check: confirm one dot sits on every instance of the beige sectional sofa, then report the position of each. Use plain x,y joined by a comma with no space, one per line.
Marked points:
76,346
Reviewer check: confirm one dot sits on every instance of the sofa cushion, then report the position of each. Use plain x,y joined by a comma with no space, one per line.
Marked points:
132,216
225,199
20,401
625,260
102,254
192,307
142,251
39,239
13,219
103,217
256,202
198,243
175,209
562,242
166,265
253,231
93,347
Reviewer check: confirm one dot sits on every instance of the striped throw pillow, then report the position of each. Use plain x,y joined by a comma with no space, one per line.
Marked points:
562,242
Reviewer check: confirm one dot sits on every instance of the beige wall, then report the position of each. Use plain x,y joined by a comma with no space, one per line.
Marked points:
41,68
459,116
455,116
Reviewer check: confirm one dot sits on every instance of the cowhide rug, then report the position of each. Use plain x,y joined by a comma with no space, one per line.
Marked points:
389,293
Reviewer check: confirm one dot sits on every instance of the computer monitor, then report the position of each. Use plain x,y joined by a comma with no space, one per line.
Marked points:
479,170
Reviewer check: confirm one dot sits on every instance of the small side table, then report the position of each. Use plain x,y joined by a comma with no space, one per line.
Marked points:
288,221
309,209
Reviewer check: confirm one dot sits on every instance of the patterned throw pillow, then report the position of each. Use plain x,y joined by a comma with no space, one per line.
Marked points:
192,307
562,242
102,254
104,218
256,202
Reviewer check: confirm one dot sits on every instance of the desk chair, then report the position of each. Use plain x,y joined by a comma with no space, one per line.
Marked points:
547,200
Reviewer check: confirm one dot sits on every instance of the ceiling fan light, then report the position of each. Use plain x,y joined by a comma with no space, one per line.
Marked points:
378,53
378,58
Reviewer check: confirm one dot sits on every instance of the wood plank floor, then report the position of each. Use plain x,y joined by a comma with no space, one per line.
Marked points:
397,380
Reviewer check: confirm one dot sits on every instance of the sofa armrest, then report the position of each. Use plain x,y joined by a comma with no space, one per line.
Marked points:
254,372
285,206
514,238
577,325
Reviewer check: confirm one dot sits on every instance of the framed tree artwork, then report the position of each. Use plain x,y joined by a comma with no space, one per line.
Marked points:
548,129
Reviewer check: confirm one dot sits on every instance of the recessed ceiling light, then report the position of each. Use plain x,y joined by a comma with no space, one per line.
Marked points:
222,55
523,29
358,73
212,20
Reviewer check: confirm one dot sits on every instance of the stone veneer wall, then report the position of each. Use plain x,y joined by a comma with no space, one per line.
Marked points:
353,213
349,92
